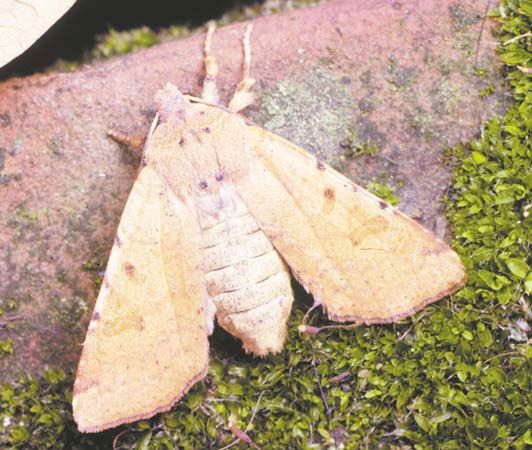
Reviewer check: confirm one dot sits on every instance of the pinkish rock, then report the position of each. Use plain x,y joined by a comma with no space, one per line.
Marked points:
347,76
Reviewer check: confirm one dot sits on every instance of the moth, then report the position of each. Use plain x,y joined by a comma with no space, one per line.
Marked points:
220,215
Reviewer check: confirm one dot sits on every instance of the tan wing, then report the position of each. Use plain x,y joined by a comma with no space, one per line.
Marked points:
147,342
362,259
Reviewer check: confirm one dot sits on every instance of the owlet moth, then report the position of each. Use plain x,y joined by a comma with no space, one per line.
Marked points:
220,215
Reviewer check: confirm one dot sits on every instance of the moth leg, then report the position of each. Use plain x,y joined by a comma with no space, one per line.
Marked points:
210,92
136,142
133,141
243,97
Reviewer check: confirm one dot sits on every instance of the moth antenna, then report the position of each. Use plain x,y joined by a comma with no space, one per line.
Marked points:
210,92
247,51
243,97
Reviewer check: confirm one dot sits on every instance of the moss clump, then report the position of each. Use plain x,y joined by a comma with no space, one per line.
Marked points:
457,375
6,347
120,42
95,266
383,191
363,139
7,322
36,414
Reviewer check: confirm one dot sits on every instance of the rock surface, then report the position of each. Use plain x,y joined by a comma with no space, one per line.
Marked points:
378,89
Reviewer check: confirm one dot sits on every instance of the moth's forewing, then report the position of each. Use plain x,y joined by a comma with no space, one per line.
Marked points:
362,259
146,343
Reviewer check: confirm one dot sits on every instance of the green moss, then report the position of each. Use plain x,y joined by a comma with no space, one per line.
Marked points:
488,90
6,347
383,191
26,216
35,414
368,147
95,265
456,375
359,141
120,42
10,304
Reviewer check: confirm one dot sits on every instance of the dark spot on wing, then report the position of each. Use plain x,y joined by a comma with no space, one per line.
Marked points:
329,200
96,316
203,184
106,284
329,193
207,130
383,205
143,161
182,141
320,165
129,269
220,176
118,241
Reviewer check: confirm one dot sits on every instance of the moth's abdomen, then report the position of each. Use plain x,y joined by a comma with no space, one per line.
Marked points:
246,279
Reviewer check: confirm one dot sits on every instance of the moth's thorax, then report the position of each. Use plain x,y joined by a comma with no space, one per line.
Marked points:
246,278
196,152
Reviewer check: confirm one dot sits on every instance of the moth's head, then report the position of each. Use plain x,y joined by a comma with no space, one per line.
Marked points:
172,104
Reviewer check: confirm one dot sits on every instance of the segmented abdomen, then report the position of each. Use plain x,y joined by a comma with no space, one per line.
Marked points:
246,279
